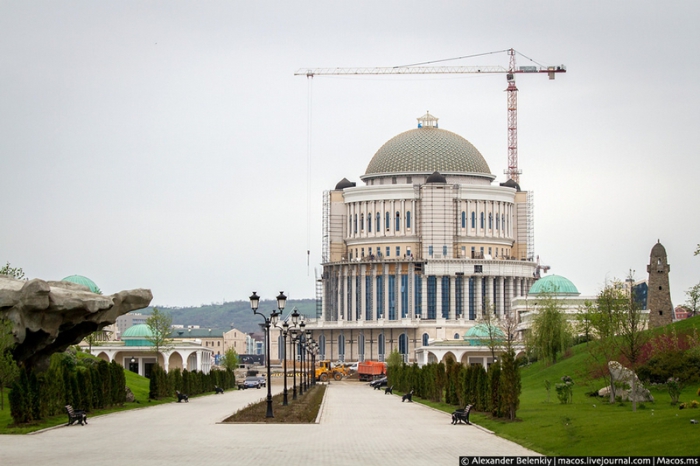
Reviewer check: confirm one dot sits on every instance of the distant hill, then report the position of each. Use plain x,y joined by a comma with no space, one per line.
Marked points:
232,314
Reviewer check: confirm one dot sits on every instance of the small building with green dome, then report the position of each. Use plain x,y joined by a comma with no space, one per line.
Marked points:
552,286
136,352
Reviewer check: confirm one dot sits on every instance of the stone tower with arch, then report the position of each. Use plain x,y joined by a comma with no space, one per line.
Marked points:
659,298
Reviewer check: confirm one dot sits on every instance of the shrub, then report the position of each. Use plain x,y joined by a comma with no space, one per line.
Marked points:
674,388
565,390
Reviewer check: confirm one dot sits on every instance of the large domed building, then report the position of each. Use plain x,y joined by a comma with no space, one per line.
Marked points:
416,253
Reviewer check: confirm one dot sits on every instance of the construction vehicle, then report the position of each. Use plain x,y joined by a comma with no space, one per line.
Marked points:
326,371
371,370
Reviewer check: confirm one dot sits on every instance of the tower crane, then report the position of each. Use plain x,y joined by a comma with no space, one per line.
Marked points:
512,171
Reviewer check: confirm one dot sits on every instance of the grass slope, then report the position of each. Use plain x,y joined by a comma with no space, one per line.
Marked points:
591,426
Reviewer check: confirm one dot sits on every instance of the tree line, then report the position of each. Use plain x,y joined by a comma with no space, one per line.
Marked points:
496,391
85,384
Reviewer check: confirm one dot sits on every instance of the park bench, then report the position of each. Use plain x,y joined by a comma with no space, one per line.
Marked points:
461,415
182,397
79,416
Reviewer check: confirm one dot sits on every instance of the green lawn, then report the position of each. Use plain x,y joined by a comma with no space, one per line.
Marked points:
591,426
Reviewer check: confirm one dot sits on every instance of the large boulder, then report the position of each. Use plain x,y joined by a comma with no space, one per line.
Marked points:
49,316
622,378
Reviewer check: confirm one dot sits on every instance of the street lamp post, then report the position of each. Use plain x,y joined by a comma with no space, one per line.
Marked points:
309,343
292,342
269,321
285,329
301,338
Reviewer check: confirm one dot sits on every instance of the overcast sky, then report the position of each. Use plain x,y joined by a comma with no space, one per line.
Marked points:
164,145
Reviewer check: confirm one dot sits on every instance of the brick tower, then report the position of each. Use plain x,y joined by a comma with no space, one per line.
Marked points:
659,298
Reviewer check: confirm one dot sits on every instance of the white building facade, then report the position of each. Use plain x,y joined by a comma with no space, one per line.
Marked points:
416,254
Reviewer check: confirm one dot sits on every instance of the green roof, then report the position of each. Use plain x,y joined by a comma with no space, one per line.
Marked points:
554,284
80,280
426,150
137,331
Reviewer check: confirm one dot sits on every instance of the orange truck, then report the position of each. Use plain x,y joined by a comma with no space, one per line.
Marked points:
370,370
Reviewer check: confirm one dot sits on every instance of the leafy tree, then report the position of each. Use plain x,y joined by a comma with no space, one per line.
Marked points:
8,367
692,301
161,326
490,322
14,272
393,362
510,385
606,322
584,320
230,359
633,337
551,332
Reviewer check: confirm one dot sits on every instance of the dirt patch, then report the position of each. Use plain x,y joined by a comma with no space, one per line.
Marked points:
303,410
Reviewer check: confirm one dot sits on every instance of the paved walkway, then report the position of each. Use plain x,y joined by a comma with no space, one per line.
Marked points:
358,426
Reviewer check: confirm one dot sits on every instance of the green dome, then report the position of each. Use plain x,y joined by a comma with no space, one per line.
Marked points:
554,284
80,280
478,335
137,331
137,335
426,150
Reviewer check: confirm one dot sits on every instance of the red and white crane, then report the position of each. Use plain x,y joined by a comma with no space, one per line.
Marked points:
512,171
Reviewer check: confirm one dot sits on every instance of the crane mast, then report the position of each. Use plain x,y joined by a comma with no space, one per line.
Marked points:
512,91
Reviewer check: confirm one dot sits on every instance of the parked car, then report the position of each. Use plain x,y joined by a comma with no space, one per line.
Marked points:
353,366
253,382
378,383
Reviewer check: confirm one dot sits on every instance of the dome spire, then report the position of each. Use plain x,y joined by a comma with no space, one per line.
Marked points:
427,121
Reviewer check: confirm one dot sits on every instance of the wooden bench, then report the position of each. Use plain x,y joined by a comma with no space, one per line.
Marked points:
461,415
79,416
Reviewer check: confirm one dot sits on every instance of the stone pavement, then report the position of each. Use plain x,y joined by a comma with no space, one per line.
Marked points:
358,425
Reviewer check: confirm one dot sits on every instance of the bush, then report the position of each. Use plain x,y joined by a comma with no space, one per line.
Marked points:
674,388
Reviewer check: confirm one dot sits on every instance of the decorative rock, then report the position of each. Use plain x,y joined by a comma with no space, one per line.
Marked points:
623,376
129,395
49,316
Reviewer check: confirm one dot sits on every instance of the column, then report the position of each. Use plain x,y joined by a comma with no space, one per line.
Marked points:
467,295
363,292
478,292
374,292
500,305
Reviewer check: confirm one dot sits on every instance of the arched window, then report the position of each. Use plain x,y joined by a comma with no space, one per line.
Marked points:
408,220
379,223
490,221
369,223
355,229
322,346
481,219
426,338
398,221
361,347
456,337
362,222
498,222
280,348
503,221
403,346
464,219
387,224
473,219
341,347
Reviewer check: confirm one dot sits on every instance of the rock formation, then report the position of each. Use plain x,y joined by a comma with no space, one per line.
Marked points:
49,316
622,378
